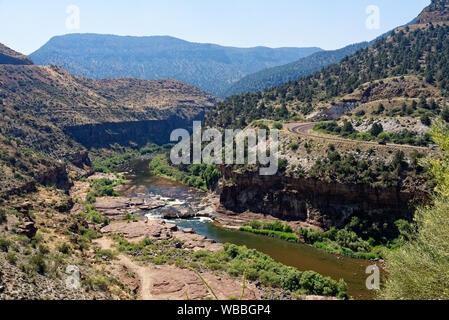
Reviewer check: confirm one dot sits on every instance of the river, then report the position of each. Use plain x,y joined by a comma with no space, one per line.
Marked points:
303,257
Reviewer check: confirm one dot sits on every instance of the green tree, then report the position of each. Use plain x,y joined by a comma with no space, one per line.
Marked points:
3,217
445,114
380,108
419,269
347,128
376,129
425,119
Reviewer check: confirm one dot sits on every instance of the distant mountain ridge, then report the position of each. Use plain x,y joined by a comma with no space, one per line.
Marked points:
209,67
411,62
276,76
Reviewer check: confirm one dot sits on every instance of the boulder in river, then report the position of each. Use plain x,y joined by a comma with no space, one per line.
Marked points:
177,213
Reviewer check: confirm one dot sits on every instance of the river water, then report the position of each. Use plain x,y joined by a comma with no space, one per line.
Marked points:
301,256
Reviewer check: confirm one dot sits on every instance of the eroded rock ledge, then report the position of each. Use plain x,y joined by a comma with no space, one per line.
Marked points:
323,204
160,230
117,208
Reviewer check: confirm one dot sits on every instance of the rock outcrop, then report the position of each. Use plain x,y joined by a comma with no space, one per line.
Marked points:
437,11
130,133
28,229
171,283
324,204
117,208
160,230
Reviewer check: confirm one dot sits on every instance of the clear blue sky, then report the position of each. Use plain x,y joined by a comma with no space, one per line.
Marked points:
330,24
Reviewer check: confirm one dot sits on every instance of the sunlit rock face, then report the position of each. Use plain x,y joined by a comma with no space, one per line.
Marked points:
324,204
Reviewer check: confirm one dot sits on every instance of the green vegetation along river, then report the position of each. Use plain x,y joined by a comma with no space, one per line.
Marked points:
301,256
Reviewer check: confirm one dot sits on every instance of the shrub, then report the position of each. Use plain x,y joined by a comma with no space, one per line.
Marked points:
282,165
90,198
94,216
3,217
99,283
425,120
105,254
201,176
104,188
277,126
64,248
290,281
11,257
276,274
376,133
380,109
4,244
294,146
255,224
88,233
38,263
201,254
445,114
347,128
44,249
274,226
384,137
360,113
271,233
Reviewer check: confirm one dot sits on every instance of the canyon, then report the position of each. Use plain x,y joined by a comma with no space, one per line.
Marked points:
320,203
52,119
56,127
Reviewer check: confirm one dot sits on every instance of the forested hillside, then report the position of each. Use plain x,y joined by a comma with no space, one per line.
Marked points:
279,75
421,50
8,56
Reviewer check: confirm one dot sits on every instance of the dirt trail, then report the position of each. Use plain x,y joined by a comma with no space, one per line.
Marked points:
144,274
167,282
305,128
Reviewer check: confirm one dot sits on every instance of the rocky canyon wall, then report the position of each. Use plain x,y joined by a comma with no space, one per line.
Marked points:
324,204
133,133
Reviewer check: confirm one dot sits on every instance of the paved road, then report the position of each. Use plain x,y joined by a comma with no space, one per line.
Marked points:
305,128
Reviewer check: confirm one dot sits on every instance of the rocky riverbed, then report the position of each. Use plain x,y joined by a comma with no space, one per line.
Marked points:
186,220
161,230
151,210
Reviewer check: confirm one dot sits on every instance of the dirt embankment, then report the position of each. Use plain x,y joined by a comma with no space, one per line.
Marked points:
166,282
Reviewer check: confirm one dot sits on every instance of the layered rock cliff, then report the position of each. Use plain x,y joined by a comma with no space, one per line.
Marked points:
320,203
130,133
